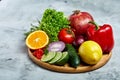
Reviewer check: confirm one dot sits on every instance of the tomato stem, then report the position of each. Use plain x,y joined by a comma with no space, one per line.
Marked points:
69,31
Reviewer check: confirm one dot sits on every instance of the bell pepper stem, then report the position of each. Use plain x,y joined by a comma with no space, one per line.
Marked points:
96,25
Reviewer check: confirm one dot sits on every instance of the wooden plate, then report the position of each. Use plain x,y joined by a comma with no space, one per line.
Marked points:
67,69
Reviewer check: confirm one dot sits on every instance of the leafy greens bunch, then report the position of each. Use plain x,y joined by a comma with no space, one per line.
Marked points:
52,21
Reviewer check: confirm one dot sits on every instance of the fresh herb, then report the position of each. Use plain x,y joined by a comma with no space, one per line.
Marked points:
52,21
32,29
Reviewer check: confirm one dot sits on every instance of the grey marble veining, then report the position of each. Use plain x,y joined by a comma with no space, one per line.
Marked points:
15,19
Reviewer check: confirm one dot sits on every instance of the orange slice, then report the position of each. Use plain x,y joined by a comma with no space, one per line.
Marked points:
37,39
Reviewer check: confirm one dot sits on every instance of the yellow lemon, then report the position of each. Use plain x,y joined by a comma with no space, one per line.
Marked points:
90,52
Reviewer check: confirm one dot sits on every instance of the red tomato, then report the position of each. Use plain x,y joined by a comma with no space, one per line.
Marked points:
66,35
38,53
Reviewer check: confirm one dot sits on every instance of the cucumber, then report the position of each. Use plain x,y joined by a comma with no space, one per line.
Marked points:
48,57
74,59
56,58
63,60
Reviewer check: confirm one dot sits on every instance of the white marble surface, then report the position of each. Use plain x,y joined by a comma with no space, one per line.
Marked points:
15,19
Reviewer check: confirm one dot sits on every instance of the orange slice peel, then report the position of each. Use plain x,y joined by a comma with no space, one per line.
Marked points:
37,39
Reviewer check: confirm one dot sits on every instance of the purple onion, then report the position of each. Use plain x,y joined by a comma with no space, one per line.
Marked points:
56,46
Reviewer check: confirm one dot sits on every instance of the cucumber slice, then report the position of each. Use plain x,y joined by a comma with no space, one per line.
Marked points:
63,60
48,57
56,58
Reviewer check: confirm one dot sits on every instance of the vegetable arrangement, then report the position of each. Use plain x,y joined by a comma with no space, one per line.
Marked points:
69,40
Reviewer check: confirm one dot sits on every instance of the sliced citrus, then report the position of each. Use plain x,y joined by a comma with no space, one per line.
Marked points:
37,39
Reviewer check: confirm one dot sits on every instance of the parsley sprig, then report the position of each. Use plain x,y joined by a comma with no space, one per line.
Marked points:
52,21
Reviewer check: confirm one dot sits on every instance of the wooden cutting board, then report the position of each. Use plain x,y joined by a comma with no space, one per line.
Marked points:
67,69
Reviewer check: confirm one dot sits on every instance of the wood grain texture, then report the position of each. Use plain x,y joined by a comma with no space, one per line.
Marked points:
67,69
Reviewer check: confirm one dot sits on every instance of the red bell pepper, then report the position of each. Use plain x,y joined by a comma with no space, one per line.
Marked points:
103,35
